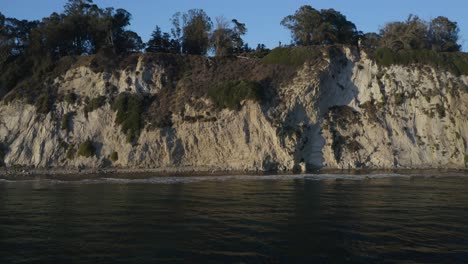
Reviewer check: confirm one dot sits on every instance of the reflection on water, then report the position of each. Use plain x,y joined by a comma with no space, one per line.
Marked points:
236,219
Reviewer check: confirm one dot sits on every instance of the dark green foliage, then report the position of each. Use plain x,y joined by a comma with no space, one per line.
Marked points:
66,119
440,110
129,108
114,156
70,98
260,52
43,103
443,35
162,42
230,94
410,34
337,145
15,37
371,40
226,39
84,28
12,72
439,34
30,51
95,103
86,149
192,29
25,79
454,62
3,150
71,152
312,27
295,56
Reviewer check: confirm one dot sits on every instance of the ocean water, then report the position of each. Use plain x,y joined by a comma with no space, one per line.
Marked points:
327,218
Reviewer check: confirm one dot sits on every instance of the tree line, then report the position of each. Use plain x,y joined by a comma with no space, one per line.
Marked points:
85,28
313,27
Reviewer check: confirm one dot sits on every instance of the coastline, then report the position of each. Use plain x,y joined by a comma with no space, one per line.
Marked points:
142,173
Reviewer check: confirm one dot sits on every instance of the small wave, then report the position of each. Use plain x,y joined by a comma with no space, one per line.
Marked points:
6,181
194,179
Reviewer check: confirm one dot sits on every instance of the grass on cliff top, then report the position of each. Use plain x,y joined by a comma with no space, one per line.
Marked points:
454,62
292,56
230,94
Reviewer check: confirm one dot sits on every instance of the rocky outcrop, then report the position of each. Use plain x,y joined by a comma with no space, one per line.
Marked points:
341,111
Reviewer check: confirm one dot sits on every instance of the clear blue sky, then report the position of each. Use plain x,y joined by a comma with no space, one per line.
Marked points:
262,17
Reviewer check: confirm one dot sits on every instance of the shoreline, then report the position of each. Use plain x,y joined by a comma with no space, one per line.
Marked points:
141,173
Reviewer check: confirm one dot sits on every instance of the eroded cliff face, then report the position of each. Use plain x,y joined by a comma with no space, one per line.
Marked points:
341,111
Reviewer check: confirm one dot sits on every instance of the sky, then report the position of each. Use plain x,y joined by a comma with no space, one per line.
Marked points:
262,17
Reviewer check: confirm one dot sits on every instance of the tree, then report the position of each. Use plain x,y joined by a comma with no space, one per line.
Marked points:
440,34
303,24
15,36
239,30
443,34
77,25
131,42
343,31
312,27
192,30
84,28
221,38
410,34
162,42
227,40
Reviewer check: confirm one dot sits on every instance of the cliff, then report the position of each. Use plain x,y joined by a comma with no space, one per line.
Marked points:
338,110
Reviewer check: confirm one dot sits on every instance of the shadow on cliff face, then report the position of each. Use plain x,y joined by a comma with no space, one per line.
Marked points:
336,88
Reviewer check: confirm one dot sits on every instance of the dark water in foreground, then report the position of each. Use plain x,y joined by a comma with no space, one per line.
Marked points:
244,219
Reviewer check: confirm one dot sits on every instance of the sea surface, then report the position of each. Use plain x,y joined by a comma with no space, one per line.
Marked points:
326,218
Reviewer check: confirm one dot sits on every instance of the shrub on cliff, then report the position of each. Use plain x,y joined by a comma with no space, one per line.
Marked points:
230,94
86,149
454,62
43,103
440,110
70,152
95,103
129,108
2,154
70,98
66,121
114,156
